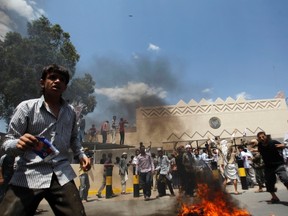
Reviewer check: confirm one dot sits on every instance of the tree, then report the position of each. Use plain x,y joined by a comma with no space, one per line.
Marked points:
22,60
80,93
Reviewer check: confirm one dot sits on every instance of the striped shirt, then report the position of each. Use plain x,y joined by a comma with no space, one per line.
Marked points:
144,163
33,117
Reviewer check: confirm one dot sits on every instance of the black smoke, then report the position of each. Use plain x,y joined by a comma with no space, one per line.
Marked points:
124,85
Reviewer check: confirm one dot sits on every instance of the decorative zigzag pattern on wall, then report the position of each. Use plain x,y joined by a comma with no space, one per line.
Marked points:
208,134
183,110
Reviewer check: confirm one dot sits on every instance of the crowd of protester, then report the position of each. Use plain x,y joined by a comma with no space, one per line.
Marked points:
187,166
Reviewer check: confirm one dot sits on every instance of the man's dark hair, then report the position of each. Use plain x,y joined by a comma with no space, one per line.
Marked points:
56,69
261,132
241,147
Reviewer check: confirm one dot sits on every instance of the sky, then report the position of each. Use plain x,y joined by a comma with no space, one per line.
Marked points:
150,52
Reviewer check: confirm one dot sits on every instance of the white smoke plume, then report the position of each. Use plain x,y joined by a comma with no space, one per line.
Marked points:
132,92
14,15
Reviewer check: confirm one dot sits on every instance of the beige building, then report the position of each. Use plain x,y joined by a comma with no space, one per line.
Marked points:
196,122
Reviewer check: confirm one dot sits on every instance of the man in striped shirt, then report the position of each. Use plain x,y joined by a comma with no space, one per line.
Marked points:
35,178
145,168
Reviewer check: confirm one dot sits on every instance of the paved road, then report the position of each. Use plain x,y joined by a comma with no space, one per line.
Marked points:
125,205
258,203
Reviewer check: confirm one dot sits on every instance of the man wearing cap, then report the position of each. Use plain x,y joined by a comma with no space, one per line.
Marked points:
189,163
165,176
123,172
247,158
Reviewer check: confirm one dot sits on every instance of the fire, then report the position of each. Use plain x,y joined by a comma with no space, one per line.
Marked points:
212,202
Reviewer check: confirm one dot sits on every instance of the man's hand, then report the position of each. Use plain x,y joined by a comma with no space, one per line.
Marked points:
27,142
85,163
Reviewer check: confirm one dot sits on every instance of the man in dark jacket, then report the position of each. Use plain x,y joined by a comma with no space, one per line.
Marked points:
274,163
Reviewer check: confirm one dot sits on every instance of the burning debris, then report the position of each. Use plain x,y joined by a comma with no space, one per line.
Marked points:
211,201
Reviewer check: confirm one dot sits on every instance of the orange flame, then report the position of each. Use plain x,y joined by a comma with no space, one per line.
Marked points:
212,203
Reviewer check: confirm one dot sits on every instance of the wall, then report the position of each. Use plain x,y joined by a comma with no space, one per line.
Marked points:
183,122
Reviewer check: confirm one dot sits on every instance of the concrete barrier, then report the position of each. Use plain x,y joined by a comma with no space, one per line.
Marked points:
96,177
242,174
109,177
136,186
